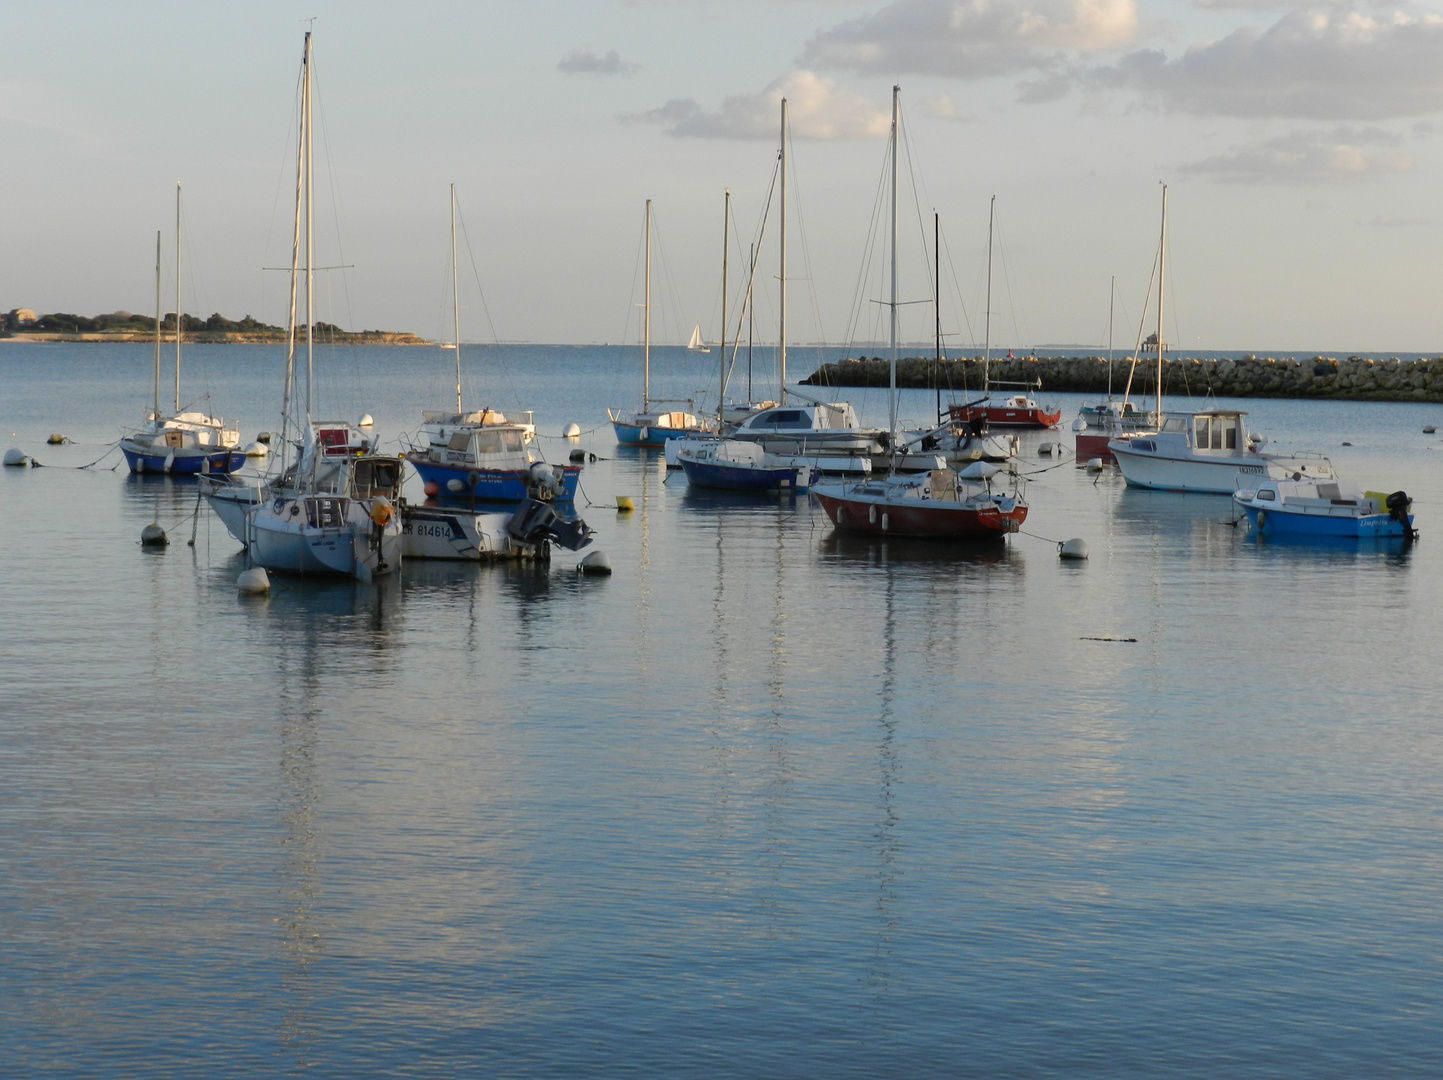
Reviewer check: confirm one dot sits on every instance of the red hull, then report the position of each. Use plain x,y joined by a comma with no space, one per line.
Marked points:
1091,445
925,520
1003,416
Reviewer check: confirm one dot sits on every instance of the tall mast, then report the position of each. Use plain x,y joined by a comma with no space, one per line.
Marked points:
1111,297
288,394
937,305
177,296
751,318
646,322
726,235
987,320
155,415
310,234
782,325
455,300
892,321
1161,273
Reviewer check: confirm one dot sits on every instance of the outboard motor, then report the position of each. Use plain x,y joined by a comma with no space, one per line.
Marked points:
1397,505
536,523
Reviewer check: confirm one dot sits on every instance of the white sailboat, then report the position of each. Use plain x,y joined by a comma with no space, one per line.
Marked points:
181,443
694,343
335,513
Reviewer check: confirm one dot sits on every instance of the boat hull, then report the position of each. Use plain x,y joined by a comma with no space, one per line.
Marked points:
651,438
284,542
183,461
1091,446
926,520
435,532
1213,476
1270,521
1008,416
488,485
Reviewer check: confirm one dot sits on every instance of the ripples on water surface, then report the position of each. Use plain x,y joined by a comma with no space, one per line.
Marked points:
768,801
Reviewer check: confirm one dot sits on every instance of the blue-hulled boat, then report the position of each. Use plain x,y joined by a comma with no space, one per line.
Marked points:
1325,508
730,465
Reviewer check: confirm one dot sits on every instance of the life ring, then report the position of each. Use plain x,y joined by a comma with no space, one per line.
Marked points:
381,511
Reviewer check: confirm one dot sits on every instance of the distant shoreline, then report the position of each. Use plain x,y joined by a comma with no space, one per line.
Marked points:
216,337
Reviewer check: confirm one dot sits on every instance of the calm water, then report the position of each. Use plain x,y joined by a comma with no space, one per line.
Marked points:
766,802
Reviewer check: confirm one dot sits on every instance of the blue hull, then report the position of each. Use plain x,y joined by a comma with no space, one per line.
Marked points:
222,462
709,474
1378,526
651,437
489,485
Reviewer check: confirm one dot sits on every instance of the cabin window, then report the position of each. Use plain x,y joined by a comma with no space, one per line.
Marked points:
1230,434
1267,494
459,439
1175,423
785,418
1200,432
326,513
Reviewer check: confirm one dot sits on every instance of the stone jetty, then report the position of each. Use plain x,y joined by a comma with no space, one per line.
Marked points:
1353,379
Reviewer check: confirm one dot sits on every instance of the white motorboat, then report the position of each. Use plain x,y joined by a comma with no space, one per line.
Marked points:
1207,452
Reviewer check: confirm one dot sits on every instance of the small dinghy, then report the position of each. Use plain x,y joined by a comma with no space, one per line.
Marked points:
1311,506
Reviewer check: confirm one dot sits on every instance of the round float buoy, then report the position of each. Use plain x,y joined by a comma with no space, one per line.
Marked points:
1072,549
1094,465
253,582
572,431
1044,449
1429,429
56,439
257,449
1262,520
430,487
381,511
455,485
365,421
264,437
623,504
594,562
578,454
153,536
16,456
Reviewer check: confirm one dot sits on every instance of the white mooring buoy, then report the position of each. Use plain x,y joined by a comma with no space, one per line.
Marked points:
1072,549
57,439
1045,449
153,536
1094,464
253,582
572,431
1429,429
455,485
594,562
257,449
17,457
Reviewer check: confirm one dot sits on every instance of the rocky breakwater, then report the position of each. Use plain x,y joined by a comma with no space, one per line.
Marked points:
1355,378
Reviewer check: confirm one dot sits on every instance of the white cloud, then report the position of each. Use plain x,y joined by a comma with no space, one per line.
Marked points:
582,61
972,39
942,107
1317,64
1308,157
816,109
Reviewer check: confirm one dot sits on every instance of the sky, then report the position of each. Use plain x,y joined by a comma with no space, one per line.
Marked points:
1301,146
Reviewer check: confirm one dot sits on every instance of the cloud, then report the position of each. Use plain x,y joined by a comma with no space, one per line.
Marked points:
816,109
1391,221
1317,65
1308,157
972,39
582,61
942,107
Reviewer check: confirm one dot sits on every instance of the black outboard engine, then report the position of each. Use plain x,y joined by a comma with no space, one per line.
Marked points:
1397,505
536,523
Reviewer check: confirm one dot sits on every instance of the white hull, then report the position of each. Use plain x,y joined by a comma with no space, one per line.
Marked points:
1218,476
458,535
285,535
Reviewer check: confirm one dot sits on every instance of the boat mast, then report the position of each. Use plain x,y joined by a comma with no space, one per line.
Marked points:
751,319
722,385
1111,297
987,320
892,366
782,326
295,277
455,300
937,305
310,236
646,322
1161,274
177,296
155,414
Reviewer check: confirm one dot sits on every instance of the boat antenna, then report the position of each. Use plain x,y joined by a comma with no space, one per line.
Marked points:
455,300
782,324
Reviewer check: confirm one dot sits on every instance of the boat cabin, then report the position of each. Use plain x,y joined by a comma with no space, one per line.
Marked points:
1217,431
839,416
